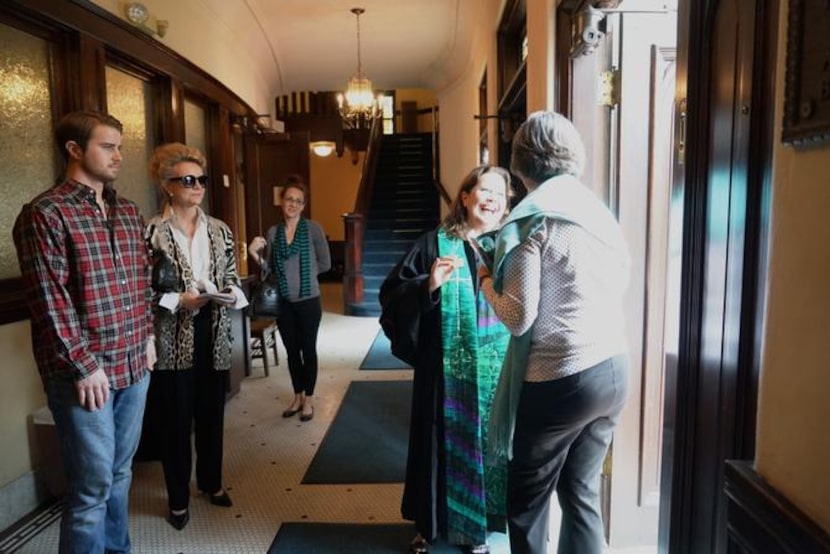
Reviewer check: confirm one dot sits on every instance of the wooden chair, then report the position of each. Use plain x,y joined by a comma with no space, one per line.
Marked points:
263,337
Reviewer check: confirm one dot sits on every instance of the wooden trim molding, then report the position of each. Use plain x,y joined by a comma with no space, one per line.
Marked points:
760,520
807,86
12,301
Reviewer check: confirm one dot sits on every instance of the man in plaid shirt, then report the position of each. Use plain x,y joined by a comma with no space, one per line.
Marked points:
86,276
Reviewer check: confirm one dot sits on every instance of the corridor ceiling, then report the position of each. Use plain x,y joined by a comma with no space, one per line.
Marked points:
312,44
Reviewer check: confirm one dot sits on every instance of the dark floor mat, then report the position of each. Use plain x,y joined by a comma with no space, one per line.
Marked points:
380,355
368,439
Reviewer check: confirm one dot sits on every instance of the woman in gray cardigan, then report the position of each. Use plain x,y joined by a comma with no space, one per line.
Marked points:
297,251
195,283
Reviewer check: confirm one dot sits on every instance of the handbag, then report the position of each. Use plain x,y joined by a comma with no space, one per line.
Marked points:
165,274
265,299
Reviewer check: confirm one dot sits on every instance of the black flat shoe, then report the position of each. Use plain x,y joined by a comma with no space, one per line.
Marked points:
289,412
178,521
418,546
307,417
222,499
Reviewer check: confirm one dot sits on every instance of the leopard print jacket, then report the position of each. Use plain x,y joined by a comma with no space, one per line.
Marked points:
174,331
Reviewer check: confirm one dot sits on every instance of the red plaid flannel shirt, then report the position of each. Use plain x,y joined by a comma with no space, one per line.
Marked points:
87,283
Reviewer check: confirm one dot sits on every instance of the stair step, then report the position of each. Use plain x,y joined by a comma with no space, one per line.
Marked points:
387,258
393,234
403,223
404,205
371,282
404,188
363,309
420,201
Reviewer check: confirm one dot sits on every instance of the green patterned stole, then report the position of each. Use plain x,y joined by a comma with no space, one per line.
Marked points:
283,251
474,343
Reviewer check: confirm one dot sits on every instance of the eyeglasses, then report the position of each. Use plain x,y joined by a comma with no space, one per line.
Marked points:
296,201
189,181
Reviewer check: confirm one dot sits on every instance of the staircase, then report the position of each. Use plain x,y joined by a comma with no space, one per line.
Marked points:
404,205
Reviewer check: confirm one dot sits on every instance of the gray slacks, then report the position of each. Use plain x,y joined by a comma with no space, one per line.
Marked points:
563,429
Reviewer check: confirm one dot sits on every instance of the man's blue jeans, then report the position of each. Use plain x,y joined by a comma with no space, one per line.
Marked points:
97,450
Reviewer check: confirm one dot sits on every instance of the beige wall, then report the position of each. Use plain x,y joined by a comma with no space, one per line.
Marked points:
793,448
21,395
334,183
458,103
242,63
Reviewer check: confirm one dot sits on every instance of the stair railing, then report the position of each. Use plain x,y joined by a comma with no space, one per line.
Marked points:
355,222
436,161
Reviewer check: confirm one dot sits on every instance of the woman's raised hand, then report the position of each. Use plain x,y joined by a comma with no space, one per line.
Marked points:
441,270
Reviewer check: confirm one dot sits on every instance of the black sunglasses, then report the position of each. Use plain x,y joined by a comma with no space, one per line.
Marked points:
189,181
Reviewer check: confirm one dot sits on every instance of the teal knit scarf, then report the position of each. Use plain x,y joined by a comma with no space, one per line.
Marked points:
283,251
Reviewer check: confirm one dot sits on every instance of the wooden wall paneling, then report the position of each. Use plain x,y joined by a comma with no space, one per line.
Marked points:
170,111
222,169
763,521
92,62
564,69
84,38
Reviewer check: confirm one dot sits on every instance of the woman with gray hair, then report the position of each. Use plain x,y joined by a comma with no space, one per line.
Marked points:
561,268
195,283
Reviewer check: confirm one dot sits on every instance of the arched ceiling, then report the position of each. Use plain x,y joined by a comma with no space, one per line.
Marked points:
312,44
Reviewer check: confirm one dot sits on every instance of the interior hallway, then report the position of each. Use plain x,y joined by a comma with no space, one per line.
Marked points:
266,457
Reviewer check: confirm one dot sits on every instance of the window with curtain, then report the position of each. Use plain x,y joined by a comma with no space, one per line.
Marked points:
130,100
28,158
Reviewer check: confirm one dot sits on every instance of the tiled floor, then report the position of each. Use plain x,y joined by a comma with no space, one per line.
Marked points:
265,459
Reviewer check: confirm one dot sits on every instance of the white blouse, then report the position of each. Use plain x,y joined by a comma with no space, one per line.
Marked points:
197,253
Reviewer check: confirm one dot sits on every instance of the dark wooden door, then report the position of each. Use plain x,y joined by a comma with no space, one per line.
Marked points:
269,159
724,162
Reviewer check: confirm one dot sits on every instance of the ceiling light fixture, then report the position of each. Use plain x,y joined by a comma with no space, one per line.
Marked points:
323,148
358,104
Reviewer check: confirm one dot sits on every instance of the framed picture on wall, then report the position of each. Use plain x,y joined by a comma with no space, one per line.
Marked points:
807,87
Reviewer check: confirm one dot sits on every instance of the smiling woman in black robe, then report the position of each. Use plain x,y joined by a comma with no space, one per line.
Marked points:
449,492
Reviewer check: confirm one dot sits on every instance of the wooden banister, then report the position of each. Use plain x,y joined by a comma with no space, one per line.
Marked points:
355,222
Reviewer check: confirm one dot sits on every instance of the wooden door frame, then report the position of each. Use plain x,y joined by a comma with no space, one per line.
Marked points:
688,434
692,515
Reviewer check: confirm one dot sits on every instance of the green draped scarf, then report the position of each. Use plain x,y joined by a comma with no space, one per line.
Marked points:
282,251
474,343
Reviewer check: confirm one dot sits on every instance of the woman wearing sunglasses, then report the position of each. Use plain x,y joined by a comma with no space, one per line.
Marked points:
195,283
297,251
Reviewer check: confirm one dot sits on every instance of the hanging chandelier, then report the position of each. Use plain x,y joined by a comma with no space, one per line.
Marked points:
358,104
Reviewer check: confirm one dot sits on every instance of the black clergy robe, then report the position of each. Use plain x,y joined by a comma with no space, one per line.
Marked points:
410,310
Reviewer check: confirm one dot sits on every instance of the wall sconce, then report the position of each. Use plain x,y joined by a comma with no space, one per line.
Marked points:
323,148
138,14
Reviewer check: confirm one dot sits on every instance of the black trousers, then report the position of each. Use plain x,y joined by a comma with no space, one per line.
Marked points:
299,323
192,400
563,429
